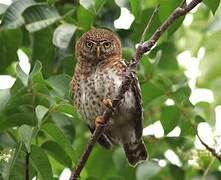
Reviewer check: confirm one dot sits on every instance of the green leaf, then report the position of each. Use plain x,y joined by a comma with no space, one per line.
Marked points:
85,18
60,84
136,8
147,170
100,157
65,124
95,5
142,23
91,178
10,41
4,98
63,34
115,178
54,150
212,5
40,113
22,75
39,84
199,119
166,8
6,141
175,26
17,119
177,172
210,72
25,133
204,111
39,16
3,8
12,17
150,91
37,69
119,159
67,109
59,137
121,3
8,167
169,117
186,127
182,94
51,2
41,163
39,50
168,54
87,4
99,4
215,24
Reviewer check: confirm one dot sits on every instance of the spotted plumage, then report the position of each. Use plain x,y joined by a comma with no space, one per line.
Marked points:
98,75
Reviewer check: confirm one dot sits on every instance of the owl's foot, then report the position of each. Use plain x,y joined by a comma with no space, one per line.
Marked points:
99,121
107,103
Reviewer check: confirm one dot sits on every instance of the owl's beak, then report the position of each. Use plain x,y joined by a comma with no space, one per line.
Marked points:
98,51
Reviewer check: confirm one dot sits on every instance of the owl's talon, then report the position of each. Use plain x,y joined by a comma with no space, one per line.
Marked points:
107,103
99,121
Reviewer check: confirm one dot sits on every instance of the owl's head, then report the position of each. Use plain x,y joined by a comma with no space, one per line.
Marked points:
97,45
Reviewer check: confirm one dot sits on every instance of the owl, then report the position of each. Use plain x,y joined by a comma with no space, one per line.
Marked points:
99,72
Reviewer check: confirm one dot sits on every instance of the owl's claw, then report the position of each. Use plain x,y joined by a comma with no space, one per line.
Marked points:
99,121
107,103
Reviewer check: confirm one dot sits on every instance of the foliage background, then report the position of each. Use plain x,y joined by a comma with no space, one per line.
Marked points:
36,113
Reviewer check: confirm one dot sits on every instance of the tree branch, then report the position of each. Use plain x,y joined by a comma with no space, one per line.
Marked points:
141,49
213,152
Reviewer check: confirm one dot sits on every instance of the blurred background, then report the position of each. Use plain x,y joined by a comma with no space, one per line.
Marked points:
180,81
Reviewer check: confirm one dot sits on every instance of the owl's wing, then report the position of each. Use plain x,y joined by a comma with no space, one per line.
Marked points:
139,107
138,116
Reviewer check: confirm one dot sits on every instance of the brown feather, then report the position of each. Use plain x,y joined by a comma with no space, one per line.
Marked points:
98,78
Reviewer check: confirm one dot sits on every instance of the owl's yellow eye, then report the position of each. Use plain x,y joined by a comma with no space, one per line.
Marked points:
89,44
107,44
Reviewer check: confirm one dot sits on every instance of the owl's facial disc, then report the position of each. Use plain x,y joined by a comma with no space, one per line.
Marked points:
102,48
97,45
99,49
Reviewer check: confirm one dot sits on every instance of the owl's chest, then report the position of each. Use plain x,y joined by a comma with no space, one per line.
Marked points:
93,89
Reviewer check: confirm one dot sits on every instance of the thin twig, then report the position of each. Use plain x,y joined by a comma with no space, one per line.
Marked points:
148,24
213,151
208,168
27,166
141,49
183,4
178,12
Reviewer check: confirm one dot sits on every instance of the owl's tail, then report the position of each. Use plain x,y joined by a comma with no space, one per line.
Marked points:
135,152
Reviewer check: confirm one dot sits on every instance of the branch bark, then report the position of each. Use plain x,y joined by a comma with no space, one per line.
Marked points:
211,150
141,49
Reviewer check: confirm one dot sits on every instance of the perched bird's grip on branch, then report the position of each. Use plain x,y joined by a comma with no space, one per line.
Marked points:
142,48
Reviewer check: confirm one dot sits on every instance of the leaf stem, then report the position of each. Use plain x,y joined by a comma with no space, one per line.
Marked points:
27,166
